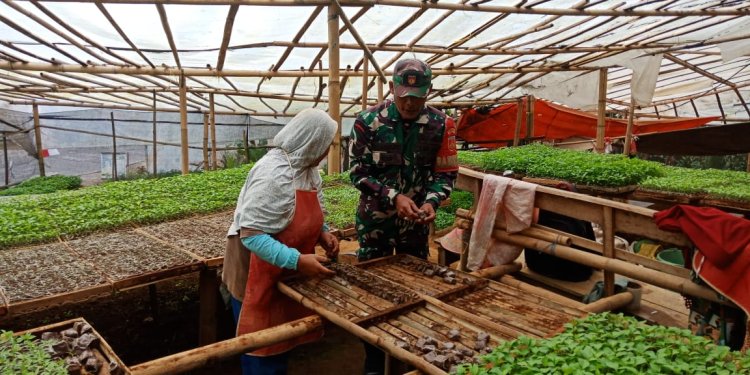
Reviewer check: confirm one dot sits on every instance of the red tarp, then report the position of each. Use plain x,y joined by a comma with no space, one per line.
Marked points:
556,122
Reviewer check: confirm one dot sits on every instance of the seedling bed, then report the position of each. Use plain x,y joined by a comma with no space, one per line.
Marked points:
421,276
123,255
82,347
196,235
522,313
42,271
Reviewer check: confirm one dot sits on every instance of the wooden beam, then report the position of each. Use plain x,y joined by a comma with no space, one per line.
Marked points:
458,7
381,85
185,165
608,224
38,138
334,156
168,32
228,25
359,40
696,69
200,72
313,16
600,119
119,30
54,30
206,165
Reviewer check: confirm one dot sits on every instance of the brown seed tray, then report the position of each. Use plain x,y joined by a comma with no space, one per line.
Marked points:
220,221
347,296
123,255
404,270
47,281
196,235
102,350
31,259
520,311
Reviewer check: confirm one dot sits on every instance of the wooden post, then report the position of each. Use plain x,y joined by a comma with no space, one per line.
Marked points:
600,120
381,84
629,129
38,137
519,122
209,298
365,65
334,88
530,103
206,166
5,160
674,107
153,128
212,119
723,116
246,145
608,225
656,109
183,126
114,147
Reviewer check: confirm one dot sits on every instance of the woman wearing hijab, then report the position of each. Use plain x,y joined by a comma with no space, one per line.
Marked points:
277,223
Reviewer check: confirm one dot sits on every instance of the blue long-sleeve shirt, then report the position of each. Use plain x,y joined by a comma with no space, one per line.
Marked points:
272,251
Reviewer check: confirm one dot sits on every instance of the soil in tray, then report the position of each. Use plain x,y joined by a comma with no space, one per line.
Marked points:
30,259
206,241
53,279
125,254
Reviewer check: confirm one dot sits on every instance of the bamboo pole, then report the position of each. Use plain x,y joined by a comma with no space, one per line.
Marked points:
608,226
212,119
660,279
206,166
199,357
530,103
519,122
496,272
721,108
39,40
119,30
362,333
114,147
364,84
38,138
381,85
629,128
201,72
459,7
542,234
5,160
334,88
168,33
228,26
541,293
358,38
610,303
600,120
153,129
183,127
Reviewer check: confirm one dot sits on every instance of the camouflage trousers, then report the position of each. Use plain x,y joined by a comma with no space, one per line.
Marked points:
380,232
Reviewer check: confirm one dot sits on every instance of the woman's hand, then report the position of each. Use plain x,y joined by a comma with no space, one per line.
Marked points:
330,244
309,265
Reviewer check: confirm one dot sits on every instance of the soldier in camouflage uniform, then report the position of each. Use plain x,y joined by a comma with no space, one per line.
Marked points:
404,162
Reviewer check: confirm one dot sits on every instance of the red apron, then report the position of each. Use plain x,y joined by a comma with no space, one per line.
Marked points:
263,306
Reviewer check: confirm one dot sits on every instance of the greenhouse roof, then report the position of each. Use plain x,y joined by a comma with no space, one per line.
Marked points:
270,57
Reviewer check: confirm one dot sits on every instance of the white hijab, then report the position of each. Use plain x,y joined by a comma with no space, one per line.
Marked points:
267,200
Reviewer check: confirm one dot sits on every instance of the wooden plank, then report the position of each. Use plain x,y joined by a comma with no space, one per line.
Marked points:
609,249
208,290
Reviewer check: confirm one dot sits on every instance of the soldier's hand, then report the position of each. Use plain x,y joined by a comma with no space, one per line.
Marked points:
406,208
428,214
309,265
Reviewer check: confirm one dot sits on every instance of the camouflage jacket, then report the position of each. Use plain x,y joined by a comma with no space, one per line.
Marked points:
390,156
